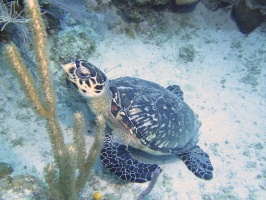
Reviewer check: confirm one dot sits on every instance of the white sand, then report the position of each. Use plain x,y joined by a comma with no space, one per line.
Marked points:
225,85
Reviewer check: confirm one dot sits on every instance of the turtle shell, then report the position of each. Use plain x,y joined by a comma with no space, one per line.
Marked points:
160,119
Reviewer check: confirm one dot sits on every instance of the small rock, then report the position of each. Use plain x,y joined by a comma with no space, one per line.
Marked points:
187,53
131,32
251,165
258,146
247,18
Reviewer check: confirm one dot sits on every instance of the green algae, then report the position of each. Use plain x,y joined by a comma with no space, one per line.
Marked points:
5,170
187,53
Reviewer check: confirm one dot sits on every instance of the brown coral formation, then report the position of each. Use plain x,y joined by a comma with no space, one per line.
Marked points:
185,2
139,10
216,4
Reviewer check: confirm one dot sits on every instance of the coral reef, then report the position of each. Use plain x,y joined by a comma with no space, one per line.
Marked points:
216,4
75,42
247,14
261,2
23,187
76,9
139,10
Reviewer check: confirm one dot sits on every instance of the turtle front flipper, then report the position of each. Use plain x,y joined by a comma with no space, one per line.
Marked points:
117,159
198,162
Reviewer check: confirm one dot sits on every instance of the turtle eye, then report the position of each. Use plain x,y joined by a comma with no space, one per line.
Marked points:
83,73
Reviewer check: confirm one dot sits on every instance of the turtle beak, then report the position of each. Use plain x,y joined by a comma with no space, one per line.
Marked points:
67,67
70,69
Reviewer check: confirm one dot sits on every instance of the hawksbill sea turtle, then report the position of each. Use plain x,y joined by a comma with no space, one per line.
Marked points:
143,115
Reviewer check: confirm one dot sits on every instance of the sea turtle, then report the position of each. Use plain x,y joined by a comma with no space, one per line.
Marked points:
143,115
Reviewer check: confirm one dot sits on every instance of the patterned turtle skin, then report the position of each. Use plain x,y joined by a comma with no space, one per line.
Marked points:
143,115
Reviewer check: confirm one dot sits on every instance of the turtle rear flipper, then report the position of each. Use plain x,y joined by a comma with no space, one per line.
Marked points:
198,162
176,90
117,159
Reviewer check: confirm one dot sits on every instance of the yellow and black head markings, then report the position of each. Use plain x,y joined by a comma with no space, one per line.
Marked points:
88,79
144,115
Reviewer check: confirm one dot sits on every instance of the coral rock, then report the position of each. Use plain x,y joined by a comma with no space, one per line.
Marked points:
246,15
185,2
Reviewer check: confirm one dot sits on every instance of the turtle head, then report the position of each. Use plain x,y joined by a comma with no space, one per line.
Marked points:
88,79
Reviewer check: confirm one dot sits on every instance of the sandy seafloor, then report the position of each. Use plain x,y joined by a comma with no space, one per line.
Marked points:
225,84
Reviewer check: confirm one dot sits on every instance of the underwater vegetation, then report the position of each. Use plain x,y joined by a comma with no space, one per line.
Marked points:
14,23
68,174
186,53
14,26
61,177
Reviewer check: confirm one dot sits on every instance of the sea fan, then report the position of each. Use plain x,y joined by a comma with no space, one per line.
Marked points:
8,14
18,30
14,24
